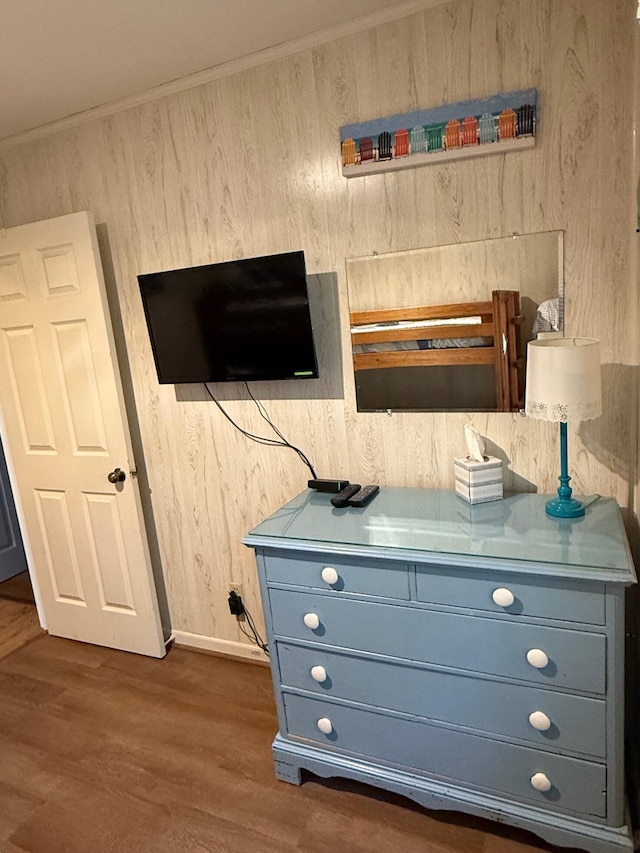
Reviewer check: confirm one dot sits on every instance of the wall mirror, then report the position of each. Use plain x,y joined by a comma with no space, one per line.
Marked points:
445,328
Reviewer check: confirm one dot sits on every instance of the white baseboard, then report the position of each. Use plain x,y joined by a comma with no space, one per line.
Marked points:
223,647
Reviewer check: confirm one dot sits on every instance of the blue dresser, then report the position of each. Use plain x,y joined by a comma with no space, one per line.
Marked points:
468,657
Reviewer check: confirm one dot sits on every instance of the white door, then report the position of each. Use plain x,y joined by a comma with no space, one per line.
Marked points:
65,432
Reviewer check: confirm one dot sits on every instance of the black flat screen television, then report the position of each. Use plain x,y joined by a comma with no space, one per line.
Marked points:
241,320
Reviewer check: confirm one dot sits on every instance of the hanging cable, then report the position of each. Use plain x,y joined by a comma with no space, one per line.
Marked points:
255,634
261,439
265,415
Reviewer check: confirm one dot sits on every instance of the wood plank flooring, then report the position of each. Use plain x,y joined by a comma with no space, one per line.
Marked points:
18,588
105,752
19,622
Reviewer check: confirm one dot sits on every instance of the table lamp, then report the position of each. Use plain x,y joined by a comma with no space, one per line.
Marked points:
563,384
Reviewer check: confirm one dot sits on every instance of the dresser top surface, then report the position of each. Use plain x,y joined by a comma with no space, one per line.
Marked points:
425,522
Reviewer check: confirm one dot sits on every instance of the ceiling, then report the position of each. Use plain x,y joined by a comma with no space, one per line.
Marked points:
64,57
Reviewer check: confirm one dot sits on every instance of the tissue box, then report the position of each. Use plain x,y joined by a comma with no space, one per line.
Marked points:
478,482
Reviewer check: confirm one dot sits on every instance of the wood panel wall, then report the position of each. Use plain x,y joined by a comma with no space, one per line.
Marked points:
249,164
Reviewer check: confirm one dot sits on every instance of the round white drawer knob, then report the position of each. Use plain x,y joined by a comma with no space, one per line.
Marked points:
324,724
503,597
540,721
318,673
329,575
311,620
537,658
540,782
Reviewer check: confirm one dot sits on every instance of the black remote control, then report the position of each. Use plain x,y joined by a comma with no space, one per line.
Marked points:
363,496
340,500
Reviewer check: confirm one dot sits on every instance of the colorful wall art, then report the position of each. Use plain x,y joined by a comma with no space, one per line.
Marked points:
492,125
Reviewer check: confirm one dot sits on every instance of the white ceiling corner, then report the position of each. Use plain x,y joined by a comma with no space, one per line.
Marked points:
61,62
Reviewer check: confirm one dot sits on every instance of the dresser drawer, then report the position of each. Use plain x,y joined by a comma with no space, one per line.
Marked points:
382,578
577,786
530,598
575,723
576,659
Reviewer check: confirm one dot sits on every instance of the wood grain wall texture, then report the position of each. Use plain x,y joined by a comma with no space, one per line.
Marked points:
249,164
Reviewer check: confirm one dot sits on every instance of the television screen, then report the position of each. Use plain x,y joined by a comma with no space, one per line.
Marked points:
236,321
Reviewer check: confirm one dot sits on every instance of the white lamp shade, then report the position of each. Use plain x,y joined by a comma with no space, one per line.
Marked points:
564,380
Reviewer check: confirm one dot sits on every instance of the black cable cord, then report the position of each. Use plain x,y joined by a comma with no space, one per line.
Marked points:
264,413
261,408
261,439
255,631
256,638
253,639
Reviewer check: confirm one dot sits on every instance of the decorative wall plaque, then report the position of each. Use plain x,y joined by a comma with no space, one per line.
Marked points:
492,125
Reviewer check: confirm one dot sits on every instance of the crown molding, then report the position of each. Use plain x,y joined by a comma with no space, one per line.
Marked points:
225,69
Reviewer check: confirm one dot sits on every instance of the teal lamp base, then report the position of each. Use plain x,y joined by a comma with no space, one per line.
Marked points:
564,506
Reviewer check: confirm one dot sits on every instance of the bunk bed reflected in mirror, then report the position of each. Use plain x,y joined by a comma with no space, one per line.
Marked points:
445,328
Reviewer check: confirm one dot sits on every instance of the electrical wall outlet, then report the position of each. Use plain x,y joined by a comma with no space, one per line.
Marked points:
237,588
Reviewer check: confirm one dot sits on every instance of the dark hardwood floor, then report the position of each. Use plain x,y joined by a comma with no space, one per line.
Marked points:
105,752
19,622
18,588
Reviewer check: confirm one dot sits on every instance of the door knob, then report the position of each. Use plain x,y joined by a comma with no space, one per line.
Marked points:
116,476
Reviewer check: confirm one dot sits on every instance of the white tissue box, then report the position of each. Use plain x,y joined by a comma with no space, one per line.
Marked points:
478,482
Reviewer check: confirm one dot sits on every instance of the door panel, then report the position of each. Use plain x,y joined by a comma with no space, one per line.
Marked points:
66,427
57,543
79,388
28,390
109,556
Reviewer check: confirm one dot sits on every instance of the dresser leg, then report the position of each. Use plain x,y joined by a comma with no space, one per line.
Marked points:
288,772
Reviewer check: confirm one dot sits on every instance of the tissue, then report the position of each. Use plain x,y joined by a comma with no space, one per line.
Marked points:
474,443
